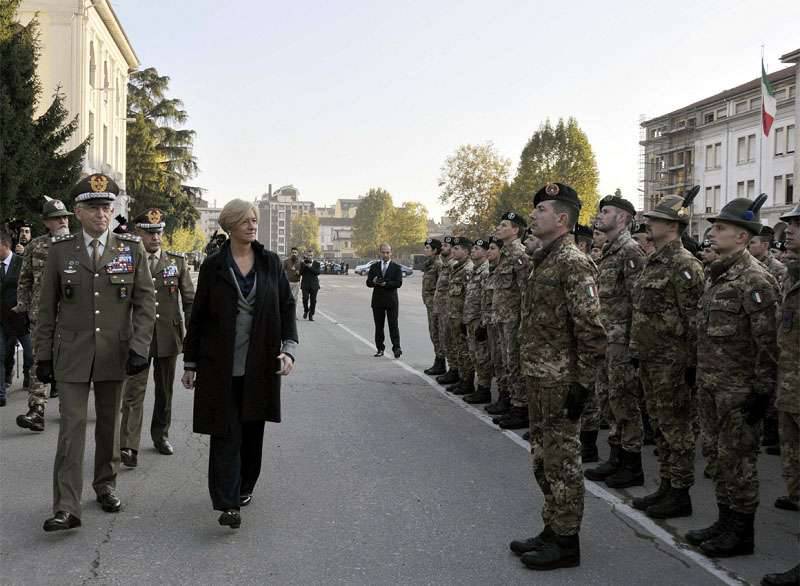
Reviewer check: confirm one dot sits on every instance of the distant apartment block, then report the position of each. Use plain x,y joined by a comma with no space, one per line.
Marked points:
276,212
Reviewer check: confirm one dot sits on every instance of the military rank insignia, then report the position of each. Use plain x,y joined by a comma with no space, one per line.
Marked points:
121,263
591,291
631,263
123,292
71,267
170,271
756,296
686,275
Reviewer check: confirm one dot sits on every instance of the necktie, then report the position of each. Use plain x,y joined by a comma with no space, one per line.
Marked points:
153,263
383,270
3,270
95,244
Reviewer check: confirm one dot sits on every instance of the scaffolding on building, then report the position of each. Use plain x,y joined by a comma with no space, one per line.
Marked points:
667,157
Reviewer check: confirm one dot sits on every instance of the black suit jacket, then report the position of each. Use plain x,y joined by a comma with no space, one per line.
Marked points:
386,295
14,324
309,276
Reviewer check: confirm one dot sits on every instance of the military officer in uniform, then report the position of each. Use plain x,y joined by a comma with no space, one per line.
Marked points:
562,345
489,321
56,219
460,274
430,274
96,317
583,239
441,299
736,370
174,297
477,335
760,247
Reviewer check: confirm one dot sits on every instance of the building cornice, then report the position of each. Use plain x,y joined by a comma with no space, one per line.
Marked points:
109,18
791,57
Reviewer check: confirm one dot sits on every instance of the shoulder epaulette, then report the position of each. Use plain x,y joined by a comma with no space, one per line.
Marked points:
64,238
129,237
178,254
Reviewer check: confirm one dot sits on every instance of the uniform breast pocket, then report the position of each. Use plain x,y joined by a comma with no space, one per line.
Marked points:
652,300
70,287
504,280
123,285
723,318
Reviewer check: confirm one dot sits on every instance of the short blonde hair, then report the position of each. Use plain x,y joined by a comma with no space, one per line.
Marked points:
234,212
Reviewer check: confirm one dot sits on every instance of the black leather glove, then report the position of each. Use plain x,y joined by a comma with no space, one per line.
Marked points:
44,371
691,376
136,363
755,407
480,334
575,401
634,362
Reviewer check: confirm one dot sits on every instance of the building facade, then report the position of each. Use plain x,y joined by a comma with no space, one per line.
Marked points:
717,143
336,237
85,54
277,210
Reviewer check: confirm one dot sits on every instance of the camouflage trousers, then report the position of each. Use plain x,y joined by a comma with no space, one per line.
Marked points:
433,331
790,451
514,383
669,401
457,350
442,326
624,394
37,392
496,357
598,409
479,352
736,444
556,457
295,289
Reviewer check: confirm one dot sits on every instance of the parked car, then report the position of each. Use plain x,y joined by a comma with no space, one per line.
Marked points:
364,269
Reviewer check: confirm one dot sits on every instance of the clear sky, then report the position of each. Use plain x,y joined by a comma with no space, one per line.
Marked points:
337,97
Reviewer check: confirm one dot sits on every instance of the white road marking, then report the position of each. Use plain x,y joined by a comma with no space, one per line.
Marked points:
616,503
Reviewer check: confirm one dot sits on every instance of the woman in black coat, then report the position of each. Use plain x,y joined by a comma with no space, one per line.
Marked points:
240,340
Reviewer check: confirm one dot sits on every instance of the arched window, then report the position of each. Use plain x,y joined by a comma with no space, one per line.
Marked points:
92,64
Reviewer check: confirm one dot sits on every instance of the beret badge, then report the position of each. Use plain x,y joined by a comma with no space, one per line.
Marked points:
99,183
552,189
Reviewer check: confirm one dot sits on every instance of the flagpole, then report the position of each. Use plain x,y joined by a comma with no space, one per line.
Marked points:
761,136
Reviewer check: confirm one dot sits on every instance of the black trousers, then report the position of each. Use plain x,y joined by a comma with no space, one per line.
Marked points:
380,314
234,462
309,301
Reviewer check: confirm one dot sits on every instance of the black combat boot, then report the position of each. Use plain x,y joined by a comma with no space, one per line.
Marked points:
563,552
521,546
787,578
698,536
641,503
33,419
26,378
517,418
677,503
481,395
502,405
53,390
454,387
437,368
630,473
467,385
607,468
589,451
527,436
448,378
737,538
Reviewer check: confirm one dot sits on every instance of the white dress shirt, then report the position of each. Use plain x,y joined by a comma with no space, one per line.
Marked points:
101,246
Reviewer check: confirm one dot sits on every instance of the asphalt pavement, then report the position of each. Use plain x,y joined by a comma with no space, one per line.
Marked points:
375,476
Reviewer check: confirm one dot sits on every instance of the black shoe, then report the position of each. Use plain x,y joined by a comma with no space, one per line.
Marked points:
109,502
231,518
9,379
26,379
563,552
129,457
698,536
737,537
305,315
61,521
787,504
641,503
437,368
787,578
481,395
589,451
499,407
311,317
397,352
379,353
527,436
448,378
607,468
630,473
520,546
517,418
163,447
2,402
676,504
466,387
452,388
33,419
53,390
244,499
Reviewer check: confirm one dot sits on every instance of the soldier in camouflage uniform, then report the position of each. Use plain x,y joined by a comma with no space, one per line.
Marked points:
562,344
489,321
510,277
56,219
440,302
788,402
430,274
620,264
663,342
477,335
460,275
737,369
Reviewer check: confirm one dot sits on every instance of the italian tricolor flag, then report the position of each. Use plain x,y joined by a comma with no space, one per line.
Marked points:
768,107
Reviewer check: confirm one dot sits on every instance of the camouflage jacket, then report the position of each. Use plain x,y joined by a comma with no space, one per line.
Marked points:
775,268
619,268
472,300
460,274
29,286
430,274
664,324
737,344
789,348
487,293
562,338
292,268
510,276
440,297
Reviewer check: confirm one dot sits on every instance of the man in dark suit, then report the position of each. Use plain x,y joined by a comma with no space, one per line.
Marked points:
309,285
12,324
385,278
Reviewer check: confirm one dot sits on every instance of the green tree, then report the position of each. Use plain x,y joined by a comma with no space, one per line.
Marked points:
372,222
159,159
305,233
408,228
559,153
471,181
185,240
33,160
